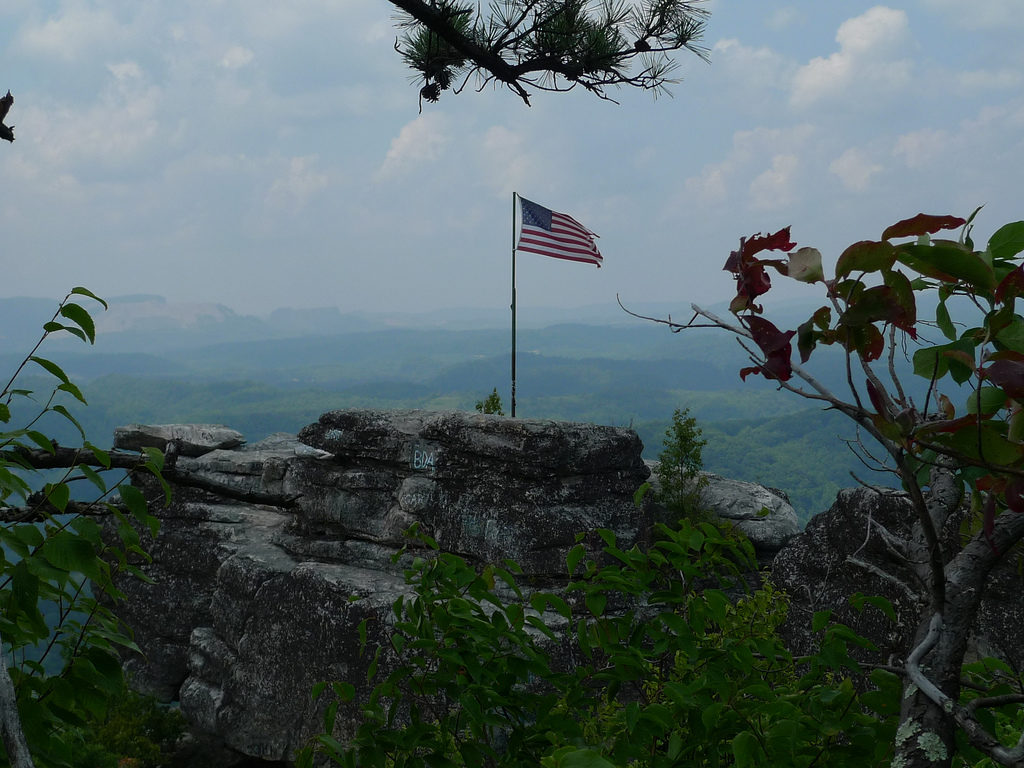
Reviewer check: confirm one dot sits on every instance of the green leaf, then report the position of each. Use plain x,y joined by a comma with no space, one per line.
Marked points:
1012,336
93,477
58,495
71,553
638,497
949,262
67,415
596,602
344,691
820,620
41,440
25,589
541,601
584,758
136,503
945,323
50,367
992,399
29,534
709,715
884,605
78,315
80,291
5,413
936,361
1007,241
985,445
575,555
746,750
865,256
73,390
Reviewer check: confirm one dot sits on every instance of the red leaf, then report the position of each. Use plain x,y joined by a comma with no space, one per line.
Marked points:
744,372
1015,494
751,277
1008,374
1011,286
778,242
776,346
876,397
949,426
768,337
922,224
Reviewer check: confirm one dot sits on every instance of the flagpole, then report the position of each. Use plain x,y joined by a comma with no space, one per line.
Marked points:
513,411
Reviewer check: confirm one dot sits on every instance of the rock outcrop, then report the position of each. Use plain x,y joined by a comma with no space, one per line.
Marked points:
841,553
764,515
252,604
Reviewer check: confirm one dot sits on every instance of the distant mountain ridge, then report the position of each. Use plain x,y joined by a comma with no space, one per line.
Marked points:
133,322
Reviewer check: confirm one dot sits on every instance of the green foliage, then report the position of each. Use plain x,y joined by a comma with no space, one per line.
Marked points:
874,292
65,666
652,658
490,404
965,436
679,466
136,732
546,44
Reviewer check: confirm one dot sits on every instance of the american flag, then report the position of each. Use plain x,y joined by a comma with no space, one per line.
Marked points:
555,234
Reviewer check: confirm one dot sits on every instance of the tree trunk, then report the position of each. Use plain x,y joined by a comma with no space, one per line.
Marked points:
10,723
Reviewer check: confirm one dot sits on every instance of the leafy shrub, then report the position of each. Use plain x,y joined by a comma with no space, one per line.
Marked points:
59,655
137,731
647,660
491,404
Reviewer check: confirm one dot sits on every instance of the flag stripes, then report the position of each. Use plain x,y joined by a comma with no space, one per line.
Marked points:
548,233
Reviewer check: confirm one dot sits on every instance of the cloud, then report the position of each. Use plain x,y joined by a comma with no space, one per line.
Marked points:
855,169
869,47
236,57
75,32
785,17
774,188
110,131
299,183
422,140
716,182
989,80
921,148
981,14
506,161
752,69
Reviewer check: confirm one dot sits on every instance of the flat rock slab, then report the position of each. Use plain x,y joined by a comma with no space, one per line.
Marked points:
192,439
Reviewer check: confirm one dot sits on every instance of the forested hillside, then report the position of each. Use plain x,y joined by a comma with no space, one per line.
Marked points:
626,374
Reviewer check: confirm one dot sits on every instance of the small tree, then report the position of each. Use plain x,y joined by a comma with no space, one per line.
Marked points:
547,45
679,467
490,404
942,445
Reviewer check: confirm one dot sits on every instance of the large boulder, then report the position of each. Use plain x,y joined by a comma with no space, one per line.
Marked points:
842,552
763,514
252,604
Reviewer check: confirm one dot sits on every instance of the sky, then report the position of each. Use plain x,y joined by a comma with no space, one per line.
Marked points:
263,154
